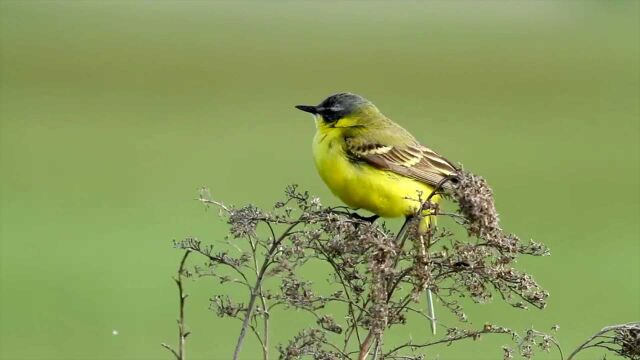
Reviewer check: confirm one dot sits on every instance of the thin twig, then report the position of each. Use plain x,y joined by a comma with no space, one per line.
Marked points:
257,288
168,347
432,313
350,303
376,349
430,307
182,333
265,314
447,340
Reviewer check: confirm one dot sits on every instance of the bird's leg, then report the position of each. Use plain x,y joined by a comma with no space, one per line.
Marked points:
401,237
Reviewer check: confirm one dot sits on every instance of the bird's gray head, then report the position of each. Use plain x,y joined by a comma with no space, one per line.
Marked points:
337,106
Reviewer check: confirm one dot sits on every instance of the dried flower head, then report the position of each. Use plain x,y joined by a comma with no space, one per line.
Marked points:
628,339
308,343
475,199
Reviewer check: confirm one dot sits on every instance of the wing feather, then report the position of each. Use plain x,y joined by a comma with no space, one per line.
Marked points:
412,160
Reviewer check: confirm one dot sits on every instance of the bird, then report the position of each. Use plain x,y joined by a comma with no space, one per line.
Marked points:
372,163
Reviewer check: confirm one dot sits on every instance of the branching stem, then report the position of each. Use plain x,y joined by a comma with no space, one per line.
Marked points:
257,289
180,354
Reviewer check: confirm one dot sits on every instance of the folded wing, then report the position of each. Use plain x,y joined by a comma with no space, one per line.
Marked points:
412,160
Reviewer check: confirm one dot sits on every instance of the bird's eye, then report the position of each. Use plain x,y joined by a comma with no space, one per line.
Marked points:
329,115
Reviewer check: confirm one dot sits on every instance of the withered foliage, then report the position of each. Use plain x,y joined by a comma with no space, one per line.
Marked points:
376,277
622,340
627,340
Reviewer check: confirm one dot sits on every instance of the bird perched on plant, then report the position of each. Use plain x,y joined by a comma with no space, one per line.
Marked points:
370,162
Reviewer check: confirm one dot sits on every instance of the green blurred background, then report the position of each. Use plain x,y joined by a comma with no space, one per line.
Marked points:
112,114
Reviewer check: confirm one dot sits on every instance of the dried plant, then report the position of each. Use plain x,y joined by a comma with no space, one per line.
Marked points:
376,277
623,340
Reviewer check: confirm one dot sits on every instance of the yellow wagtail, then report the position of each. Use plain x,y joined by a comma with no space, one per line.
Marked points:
370,162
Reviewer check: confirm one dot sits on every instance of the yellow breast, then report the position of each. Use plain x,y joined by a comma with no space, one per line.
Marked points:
360,185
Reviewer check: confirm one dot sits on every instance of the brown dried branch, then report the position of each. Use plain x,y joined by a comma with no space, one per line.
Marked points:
373,276
257,288
182,332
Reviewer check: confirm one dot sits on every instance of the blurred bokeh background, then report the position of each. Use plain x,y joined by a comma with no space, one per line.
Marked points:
113,114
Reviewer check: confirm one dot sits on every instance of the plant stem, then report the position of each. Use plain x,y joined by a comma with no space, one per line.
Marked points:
183,297
257,290
376,349
432,313
265,348
182,333
366,345
265,314
425,252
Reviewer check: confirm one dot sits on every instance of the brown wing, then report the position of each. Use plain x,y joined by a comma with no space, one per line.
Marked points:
413,160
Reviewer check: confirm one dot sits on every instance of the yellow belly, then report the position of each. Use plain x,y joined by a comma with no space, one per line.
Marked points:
360,185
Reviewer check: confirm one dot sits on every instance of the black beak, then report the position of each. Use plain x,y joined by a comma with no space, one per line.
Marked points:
308,108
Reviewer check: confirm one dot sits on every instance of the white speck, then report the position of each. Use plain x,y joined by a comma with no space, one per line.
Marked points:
114,332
